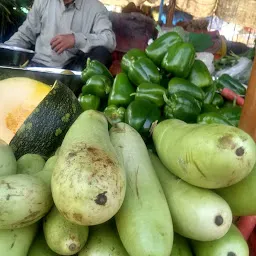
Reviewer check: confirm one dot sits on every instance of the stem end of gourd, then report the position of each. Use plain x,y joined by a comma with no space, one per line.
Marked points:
152,128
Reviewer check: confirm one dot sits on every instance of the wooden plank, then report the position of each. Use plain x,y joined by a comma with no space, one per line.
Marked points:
248,117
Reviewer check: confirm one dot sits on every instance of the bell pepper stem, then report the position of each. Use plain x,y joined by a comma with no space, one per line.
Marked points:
107,89
133,94
166,100
88,62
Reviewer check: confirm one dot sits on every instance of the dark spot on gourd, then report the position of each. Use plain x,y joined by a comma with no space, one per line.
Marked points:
226,142
27,219
97,155
219,220
72,247
7,184
12,244
78,217
240,151
231,254
101,198
71,154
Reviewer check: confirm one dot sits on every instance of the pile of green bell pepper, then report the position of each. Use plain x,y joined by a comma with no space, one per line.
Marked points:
120,96
98,83
164,81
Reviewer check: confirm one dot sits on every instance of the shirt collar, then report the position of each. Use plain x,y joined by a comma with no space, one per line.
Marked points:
77,4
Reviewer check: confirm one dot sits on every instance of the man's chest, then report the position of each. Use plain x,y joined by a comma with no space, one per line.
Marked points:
56,19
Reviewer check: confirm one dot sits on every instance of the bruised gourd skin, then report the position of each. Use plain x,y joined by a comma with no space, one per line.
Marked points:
88,181
205,155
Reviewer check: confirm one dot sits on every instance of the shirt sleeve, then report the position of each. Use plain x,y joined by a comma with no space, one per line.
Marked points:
28,31
101,35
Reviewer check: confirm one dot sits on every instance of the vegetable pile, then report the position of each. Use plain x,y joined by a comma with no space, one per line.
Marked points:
149,163
105,192
164,81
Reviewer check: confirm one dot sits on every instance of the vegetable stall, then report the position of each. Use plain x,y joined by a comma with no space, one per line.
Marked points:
158,160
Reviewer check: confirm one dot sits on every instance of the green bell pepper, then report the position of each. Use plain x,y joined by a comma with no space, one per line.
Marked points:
130,57
94,67
177,84
217,100
179,59
200,75
151,92
89,101
209,108
115,114
144,70
232,114
209,94
226,81
140,114
98,85
212,118
182,106
156,50
122,89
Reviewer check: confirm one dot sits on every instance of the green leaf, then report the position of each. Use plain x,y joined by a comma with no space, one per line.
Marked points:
200,41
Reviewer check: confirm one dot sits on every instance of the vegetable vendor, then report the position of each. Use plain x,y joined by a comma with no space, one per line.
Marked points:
65,33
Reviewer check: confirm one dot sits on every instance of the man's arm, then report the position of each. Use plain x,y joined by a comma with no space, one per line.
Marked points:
101,35
27,32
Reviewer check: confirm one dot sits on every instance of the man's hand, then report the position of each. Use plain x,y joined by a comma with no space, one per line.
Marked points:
60,43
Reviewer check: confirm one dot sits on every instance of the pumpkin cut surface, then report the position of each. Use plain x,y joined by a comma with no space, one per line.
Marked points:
19,97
